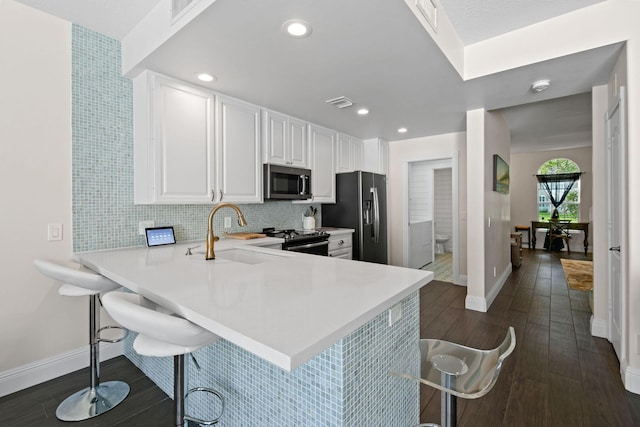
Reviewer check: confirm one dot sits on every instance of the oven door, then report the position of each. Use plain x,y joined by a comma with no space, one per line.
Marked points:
315,248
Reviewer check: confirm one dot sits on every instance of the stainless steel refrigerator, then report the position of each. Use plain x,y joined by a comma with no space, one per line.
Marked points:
361,204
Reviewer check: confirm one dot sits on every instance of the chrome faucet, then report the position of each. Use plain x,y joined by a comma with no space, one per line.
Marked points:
211,239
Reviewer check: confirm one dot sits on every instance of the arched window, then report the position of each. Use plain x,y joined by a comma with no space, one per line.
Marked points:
570,207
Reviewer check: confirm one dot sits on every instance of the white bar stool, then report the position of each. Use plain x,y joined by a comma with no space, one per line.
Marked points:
160,335
461,371
98,398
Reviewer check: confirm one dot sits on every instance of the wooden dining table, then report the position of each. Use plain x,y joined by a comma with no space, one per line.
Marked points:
582,226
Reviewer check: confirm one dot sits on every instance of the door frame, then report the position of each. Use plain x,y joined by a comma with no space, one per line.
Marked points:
457,278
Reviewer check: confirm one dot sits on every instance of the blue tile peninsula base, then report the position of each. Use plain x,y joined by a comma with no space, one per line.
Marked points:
345,385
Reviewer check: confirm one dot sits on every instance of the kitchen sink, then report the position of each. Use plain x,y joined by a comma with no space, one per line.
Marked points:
247,256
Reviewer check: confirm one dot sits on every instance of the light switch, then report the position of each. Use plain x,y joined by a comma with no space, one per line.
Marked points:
54,232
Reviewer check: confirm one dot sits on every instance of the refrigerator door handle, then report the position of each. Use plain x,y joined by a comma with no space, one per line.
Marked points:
376,215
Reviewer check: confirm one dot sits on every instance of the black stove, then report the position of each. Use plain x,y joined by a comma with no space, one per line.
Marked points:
309,241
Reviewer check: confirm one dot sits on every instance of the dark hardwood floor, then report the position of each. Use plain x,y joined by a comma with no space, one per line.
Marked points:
558,375
146,404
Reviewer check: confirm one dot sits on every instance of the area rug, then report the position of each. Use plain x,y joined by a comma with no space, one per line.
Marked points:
579,274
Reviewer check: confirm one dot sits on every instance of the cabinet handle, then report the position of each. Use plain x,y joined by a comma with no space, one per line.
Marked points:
341,242
221,195
213,195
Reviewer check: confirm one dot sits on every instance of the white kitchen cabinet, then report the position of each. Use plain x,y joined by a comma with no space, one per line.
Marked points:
174,150
322,156
285,140
340,245
350,153
191,146
376,156
239,169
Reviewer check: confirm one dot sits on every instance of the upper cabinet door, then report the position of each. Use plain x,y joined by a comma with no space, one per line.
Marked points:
357,148
239,171
298,142
275,138
285,140
344,163
376,156
322,143
350,153
180,149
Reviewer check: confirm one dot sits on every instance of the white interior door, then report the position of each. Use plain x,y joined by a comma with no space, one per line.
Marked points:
616,225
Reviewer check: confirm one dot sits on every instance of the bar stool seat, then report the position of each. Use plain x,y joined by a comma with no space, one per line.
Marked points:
162,334
459,371
98,398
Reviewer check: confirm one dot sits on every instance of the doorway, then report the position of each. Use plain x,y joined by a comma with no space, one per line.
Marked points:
431,222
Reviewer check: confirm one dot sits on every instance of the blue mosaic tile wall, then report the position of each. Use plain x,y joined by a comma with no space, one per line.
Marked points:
347,385
104,215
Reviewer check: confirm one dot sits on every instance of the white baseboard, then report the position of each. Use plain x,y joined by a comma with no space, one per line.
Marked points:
25,376
475,304
599,327
483,304
630,378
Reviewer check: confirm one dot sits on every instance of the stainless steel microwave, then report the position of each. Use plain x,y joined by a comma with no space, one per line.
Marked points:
286,183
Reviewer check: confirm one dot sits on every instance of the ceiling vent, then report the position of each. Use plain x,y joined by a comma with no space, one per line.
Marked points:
340,102
178,6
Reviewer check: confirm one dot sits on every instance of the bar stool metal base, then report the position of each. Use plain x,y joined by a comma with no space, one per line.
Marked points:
91,402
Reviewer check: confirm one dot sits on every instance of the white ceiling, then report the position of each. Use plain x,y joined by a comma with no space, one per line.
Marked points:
375,53
114,18
477,20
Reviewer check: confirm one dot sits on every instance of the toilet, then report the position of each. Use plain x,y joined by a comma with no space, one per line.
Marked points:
441,239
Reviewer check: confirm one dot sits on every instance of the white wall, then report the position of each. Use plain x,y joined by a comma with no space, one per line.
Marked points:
35,130
401,153
524,187
489,262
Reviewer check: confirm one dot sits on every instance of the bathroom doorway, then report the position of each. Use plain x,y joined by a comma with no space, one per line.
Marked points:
432,231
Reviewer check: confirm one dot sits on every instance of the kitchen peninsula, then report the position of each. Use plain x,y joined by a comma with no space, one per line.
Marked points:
307,339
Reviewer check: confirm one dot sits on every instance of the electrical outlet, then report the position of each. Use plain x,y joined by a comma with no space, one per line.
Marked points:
145,224
227,222
395,314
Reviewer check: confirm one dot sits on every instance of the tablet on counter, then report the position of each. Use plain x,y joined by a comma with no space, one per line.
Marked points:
159,236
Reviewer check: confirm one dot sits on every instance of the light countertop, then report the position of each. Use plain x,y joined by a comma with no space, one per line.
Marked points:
285,307
334,231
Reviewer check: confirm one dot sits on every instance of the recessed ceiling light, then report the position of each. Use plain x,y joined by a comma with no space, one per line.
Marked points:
205,77
402,130
540,85
297,28
363,112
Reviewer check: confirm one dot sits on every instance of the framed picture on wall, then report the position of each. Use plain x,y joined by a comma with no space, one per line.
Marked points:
500,175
